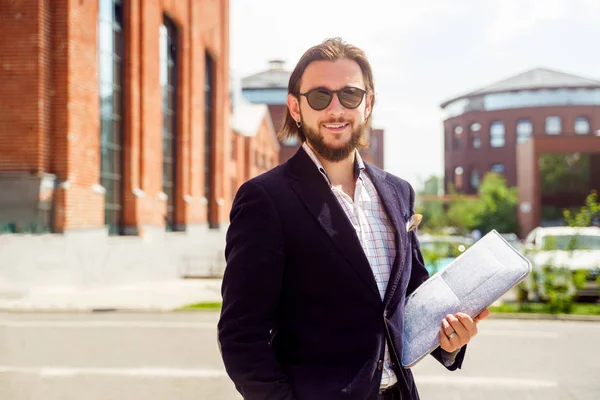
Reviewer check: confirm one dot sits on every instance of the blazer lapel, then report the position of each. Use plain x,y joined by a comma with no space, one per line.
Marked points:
317,196
393,203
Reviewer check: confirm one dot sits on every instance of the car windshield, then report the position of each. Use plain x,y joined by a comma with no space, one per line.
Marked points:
571,242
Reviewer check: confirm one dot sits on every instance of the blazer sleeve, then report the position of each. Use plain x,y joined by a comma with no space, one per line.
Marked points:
419,274
251,288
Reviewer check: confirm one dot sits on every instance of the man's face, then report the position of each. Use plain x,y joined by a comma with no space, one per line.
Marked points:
335,131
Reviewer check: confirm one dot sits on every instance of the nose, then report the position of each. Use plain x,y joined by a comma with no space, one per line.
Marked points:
335,108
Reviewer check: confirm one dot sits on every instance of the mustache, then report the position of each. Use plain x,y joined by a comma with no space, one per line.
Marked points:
337,121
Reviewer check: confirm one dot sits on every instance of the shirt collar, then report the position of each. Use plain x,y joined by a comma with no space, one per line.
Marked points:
359,164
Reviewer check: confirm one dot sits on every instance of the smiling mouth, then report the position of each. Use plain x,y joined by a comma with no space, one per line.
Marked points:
336,126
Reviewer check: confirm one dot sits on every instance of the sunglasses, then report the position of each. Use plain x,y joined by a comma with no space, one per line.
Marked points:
320,98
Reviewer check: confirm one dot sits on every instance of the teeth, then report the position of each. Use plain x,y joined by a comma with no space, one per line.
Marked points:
335,126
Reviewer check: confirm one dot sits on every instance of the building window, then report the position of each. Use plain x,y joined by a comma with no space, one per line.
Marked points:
475,179
497,134
582,126
475,138
553,126
497,168
458,178
168,81
110,76
456,137
524,130
209,128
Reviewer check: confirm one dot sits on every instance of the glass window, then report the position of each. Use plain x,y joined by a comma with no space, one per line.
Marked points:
456,137
475,138
168,73
266,96
110,77
524,130
498,168
524,98
209,132
458,177
497,134
582,126
475,179
553,126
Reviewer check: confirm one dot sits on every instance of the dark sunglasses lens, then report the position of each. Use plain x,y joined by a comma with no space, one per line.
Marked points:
319,99
351,97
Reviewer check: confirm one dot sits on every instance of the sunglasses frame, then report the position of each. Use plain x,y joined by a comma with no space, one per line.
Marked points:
335,92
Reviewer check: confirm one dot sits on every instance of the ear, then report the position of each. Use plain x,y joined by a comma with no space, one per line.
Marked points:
369,106
294,106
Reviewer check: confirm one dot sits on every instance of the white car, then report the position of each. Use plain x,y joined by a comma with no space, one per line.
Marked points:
567,247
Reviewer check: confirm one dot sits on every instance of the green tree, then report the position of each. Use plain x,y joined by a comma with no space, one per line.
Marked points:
463,213
497,208
586,214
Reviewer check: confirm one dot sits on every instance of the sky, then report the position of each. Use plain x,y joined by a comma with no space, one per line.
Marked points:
422,53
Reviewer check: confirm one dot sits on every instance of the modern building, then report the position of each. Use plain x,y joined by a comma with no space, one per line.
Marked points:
270,87
114,122
509,126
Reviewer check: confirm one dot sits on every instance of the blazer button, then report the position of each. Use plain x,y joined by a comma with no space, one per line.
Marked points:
380,365
385,314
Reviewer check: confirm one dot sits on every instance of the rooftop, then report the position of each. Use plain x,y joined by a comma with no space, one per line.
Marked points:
276,77
539,78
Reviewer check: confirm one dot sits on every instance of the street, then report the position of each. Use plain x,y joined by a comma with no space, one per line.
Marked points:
167,356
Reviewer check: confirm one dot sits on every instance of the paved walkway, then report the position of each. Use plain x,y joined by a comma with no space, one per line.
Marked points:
158,296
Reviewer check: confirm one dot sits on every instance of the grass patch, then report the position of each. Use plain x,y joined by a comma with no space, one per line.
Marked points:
201,306
541,308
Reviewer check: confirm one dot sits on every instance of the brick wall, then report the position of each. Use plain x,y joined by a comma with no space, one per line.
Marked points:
49,106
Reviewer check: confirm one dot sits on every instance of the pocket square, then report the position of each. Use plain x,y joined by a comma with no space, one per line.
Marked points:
413,222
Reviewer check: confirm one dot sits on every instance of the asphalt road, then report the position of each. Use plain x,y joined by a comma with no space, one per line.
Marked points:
174,356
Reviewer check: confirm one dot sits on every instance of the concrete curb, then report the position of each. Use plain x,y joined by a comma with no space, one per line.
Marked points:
158,310
545,317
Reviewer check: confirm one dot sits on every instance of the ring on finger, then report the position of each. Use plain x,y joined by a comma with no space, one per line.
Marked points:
452,335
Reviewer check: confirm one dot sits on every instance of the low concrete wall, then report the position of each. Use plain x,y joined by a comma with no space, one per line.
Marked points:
91,258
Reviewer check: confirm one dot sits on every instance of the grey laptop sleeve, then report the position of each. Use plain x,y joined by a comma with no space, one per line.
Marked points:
469,284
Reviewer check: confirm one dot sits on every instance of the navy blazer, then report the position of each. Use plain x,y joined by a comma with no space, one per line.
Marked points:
302,317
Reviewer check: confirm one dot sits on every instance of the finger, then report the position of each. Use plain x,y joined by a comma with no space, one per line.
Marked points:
461,331
468,323
445,342
482,315
448,330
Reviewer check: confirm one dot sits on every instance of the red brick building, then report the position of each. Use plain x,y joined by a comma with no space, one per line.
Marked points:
546,110
255,147
114,118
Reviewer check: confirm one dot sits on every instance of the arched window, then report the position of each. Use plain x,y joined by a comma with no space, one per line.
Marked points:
168,81
110,77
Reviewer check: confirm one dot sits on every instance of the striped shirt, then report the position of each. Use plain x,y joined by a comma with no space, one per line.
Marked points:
375,232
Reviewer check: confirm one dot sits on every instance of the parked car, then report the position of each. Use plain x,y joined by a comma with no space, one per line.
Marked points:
577,249
439,251
513,240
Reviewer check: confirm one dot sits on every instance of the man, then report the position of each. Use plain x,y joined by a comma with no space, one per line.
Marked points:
319,257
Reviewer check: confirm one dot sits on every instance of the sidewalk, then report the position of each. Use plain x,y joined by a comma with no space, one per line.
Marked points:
156,296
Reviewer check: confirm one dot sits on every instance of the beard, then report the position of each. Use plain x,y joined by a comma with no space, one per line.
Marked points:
333,154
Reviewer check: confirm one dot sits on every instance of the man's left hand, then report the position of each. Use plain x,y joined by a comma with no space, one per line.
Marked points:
457,330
